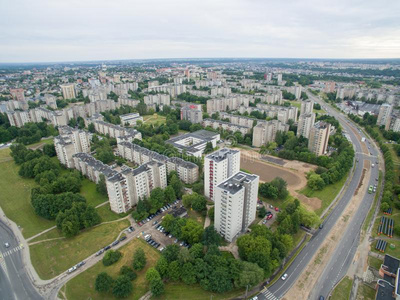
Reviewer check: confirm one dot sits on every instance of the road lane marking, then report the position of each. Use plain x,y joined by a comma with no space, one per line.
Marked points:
11,251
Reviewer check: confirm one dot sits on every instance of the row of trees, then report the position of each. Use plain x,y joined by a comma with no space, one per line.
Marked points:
57,197
28,134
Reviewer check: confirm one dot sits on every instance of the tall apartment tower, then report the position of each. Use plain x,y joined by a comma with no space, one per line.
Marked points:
384,115
306,122
235,204
17,94
297,91
219,166
192,113
68,91
319,138
306,107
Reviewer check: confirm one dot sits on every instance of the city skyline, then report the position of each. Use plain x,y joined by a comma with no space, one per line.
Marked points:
50,31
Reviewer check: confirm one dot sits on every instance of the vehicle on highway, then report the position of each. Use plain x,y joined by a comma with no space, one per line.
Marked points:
284,276
321,225
6,245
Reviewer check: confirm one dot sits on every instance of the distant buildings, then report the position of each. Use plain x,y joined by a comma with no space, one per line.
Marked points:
152,101
115,131
194,143
297,91
219,166
68,91
235,204
384,115
319,138
265,132
130,119
329,86
217,124
306,122
17,94
225,104
192,113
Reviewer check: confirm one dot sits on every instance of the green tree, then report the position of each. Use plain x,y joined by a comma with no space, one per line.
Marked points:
91,128
176,185
103,282
250,275
188,275
162,267
122,287
262,212
152,274
211,236
157,287
139,259
315,182
169,193
101,186
174,271
171,252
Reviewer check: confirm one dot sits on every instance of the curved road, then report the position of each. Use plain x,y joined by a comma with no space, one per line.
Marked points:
15,283
344,253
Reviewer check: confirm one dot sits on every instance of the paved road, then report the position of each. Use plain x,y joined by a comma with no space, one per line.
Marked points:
344,254
14,281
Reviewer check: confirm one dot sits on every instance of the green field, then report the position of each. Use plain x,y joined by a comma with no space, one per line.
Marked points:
82,286
374,262
343,289
106,214
365,292
327,195
88,191
196,216
54,257
154,119
15,198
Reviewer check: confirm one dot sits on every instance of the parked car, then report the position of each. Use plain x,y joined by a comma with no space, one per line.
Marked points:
101,251
269,217
107,247
80,264
70,270
284,276
115,243
265,221
276,208
122,238
161,249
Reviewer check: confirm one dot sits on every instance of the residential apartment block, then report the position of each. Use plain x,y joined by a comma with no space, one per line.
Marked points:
238,120
192,113
17,94
126,188
229,103
115,131
217,124
68,91
306,122
306,107
219,166
319,138
188,172
91,167
69,142
130,119
152,101
265,132
384,116
235,204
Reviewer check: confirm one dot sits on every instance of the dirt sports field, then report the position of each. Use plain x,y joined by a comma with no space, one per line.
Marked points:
293,172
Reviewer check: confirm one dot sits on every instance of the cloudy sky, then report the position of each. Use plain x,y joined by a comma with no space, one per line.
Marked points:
70,30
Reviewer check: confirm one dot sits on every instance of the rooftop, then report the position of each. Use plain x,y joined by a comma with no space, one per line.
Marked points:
221,154
235,183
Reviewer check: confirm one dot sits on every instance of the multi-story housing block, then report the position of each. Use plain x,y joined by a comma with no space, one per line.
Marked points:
306,122
306,107
217,124
192,113
265,132
219,166
319,138
384,115
235,204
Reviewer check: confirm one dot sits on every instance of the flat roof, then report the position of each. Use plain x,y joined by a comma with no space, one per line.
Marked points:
221,154
235,183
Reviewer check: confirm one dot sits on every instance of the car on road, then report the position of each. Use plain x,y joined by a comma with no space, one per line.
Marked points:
107,247
6,245
122,238
115,243
101,251
284,276
80,264
70,270
321,298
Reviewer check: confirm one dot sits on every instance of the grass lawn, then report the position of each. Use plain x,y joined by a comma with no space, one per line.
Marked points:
37,145
365,292
374,262
343,289
181,291
54,257
326,195
52,234
82,286
106,214
275,202
15,198
198,217
393,252
154,119
88,191
5,155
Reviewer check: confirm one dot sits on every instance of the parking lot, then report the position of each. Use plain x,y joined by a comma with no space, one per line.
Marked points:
270,217
155,234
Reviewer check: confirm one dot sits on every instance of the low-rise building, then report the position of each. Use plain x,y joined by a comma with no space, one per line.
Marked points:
217,124
130,119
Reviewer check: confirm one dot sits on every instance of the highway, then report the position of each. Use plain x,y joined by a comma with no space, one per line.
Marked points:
15,283
346,248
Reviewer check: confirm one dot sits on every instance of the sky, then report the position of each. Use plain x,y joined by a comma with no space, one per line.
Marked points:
82,30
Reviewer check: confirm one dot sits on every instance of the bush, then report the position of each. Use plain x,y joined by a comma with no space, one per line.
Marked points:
111,257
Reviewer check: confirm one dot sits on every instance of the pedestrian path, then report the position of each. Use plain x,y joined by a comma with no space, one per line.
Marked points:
11,251
269,295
